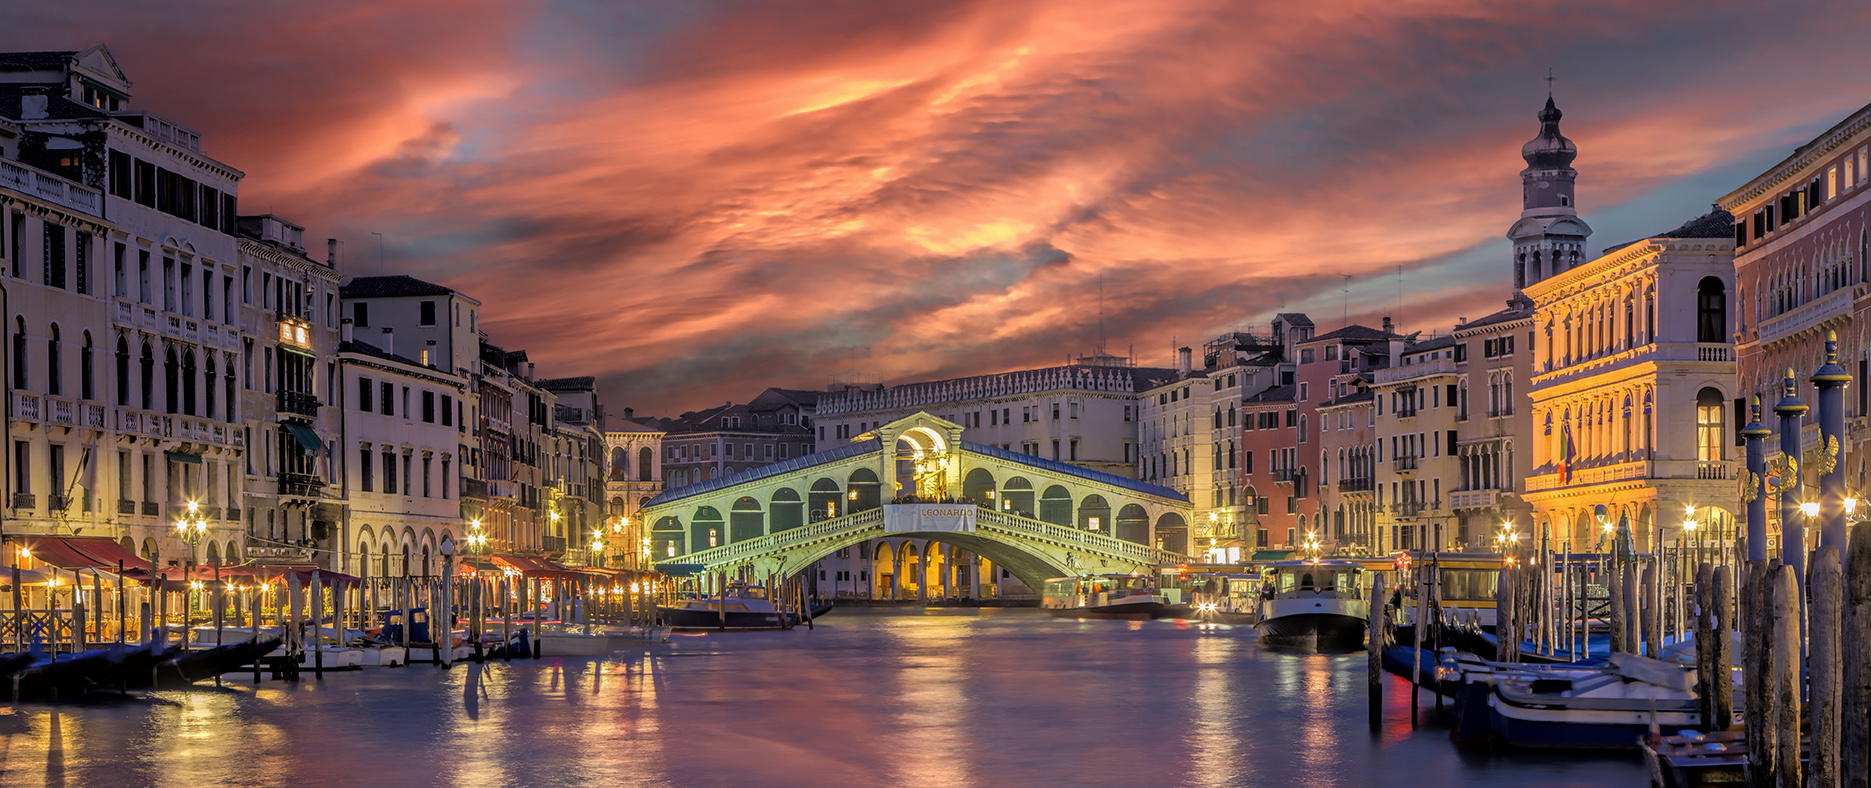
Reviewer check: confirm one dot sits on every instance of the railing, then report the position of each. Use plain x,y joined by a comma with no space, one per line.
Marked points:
1706,351
1440,366
62,410
233,514
1406,413
1495,413
1812,315
1409,508
500,424
860,524
1718,470
93,415
1354,485
25,406
500,488
50,187
298,404
1583,476
267,550
1404,464
553,545
22,500
1283,474
1474,499
303,485
473,488
151,509
126,506
58,503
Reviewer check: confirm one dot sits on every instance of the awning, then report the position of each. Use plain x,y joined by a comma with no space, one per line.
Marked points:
308,439
107,553
1272,555
183,456
681,570
533,567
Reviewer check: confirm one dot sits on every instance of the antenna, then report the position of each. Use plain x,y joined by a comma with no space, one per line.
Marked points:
1399,298
1344,317
379,251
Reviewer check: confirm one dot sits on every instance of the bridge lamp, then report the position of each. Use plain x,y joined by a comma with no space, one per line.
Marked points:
1809,508
1851,506
1094,523
670,548
853,495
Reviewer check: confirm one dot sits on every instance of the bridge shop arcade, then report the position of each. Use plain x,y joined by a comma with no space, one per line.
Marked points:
910,511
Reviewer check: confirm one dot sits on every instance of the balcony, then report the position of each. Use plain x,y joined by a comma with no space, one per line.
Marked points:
25,501
1406,413
1718,470
25,407
553,545
1283,475
1404,464
1354,485
1814,316
51,188
126,507
151,509
1474,499
1501,412
233,514
266,550
1408,509
58,503
1583,476
473,488
1440,366
302,485
295,403
500,489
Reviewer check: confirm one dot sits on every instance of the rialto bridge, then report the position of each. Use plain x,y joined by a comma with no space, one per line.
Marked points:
915,477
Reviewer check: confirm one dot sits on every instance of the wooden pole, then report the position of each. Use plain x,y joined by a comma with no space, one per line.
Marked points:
1374,640
1721,673
1757,667
1785,678
1614,592
1705,647
1653,610
1855,648
1824,676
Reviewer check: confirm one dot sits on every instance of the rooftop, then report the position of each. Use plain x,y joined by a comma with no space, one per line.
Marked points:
390,287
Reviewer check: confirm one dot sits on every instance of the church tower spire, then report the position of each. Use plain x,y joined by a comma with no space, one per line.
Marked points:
1550,236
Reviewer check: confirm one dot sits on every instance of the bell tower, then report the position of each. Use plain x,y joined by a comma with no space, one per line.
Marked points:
1550,237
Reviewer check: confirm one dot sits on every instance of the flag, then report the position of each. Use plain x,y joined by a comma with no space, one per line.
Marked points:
1565,452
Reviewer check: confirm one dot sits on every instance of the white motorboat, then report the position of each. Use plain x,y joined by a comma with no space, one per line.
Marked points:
1313,604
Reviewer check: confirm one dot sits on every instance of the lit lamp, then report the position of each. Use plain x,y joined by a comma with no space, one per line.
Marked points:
1094,523
1689,527
1811,510
192,527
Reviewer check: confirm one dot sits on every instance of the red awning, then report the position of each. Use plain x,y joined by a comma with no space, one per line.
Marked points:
108,552
533,567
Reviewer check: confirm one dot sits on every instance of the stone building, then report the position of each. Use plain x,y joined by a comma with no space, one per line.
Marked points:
635,474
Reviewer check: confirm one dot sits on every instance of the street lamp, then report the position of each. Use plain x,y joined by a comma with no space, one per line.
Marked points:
191,527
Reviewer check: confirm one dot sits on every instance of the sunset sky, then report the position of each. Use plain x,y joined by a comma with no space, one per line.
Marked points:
696,200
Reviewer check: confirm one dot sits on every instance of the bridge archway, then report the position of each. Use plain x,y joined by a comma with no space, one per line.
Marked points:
1018,495
746,521
883,571
1094,514
1133,524
909,576
1172,533
785,511
1055,505
862,490
824,499
705,528
978,486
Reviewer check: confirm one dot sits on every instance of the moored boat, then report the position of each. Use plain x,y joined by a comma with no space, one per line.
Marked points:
740,607
1317,604
1103,596
1212,595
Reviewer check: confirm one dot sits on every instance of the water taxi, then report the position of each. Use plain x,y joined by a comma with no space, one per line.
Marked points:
1313,604
1103,596
1216,594
740,607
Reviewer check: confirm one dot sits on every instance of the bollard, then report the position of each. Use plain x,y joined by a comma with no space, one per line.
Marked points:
1705,647
1374,640
1855,650
1721,675
1823,675
1784,678
1757,665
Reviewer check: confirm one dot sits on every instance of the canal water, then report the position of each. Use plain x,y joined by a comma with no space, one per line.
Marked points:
871,697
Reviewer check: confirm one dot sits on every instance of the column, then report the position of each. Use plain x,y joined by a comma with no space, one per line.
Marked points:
1792,523
1831,380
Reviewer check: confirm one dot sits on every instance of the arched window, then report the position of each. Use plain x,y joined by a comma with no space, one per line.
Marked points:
1709,425
123,372
87,377
19,353
619,464
1711,310
149,377
644,461
171,379
54,370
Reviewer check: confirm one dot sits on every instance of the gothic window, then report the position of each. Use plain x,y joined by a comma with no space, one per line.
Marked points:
1711,310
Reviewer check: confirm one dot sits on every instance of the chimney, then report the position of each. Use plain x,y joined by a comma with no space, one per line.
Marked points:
344,329
388,345
629,413
529,369
1182,360
331,252
32,105
1386,324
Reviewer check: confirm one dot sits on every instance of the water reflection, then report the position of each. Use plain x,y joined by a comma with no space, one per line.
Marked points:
938,698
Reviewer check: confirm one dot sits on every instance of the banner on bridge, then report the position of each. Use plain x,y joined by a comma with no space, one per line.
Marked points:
902,518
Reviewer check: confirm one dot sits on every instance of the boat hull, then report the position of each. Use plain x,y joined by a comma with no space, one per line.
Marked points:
1128,611
1321,630
693,620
